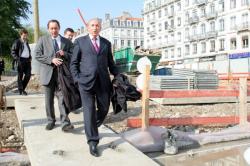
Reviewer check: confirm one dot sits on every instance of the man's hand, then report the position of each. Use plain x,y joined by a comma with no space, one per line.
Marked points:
57,61
60,53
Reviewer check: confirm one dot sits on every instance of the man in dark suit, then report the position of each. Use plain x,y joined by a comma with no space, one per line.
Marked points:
50,51
91,63
20,51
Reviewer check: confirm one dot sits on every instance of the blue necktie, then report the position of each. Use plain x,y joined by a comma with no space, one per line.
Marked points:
56,47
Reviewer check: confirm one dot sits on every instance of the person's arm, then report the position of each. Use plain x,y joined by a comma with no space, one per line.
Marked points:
68,52
14,49
112,66
75,61
39,53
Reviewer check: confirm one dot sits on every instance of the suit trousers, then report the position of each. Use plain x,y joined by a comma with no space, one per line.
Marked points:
24,68
97,96
51,90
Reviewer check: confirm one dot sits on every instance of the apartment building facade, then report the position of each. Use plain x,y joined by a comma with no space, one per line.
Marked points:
199,34
123,31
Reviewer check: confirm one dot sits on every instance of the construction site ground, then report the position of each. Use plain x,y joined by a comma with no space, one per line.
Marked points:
11,137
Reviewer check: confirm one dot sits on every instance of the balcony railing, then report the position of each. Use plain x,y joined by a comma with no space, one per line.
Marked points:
211,34
193,37
171,14
201,2
211,15
152,33
243,27
202,36
193,20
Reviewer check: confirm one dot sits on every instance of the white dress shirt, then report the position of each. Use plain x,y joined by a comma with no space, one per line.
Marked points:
25,53
97,40
58,40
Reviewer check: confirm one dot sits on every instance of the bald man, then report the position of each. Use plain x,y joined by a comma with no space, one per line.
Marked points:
91,63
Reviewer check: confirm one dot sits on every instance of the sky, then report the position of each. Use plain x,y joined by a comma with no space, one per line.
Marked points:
65,11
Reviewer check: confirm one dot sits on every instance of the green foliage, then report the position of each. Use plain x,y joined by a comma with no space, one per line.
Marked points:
30,30
11,11
8,62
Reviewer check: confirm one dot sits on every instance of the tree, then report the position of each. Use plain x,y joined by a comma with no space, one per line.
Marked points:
11,12
30,29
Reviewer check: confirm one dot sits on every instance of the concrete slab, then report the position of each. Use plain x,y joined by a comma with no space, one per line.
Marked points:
50,148
226,153
11,97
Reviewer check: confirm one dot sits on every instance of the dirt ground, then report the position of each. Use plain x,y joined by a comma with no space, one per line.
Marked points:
10,133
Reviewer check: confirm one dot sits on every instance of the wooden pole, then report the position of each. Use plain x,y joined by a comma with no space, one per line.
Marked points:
36,21
145,98
243,101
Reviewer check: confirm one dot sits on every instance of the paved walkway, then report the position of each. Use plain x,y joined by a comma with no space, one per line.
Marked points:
51,148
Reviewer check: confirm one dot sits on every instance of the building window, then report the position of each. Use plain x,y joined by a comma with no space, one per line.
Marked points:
245,42
172,53
172,10
135,43
178,21
166,38
203,47
141,33
166,11
172,38
187,3
129,33
244,2
245,19
212,9
187,50
129,23
159,26
178,6
232,4
233,44
187,17
159,13
194,48
194,29
178,52
222,5
203,12
122,43
179,36
115,43
212,46
135,33
222,44
212,26
233,23
115,32
221,22
172,23
142,43
187,33
166,54
165,25
203,29
129,43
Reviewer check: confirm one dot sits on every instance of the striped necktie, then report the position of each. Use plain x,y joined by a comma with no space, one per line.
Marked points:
96,45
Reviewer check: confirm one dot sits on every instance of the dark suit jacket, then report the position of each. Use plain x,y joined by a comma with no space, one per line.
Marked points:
86,64
44,53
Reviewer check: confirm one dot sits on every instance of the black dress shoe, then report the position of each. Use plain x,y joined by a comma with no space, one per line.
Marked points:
93,150
98,123
50,126
24,93
67,127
